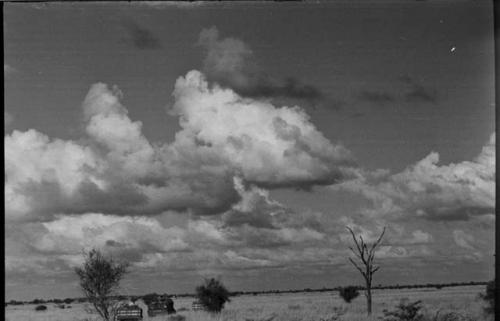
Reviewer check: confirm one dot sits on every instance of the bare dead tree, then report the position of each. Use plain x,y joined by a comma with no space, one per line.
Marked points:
366,253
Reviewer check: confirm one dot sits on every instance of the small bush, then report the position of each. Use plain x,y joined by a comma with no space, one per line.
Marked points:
348,293
294,307
68,300
212,295
41,308
405,311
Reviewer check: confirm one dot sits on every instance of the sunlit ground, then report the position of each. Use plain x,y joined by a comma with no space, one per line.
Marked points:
293,307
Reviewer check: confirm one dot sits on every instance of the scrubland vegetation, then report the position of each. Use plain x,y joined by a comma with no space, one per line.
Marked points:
447,304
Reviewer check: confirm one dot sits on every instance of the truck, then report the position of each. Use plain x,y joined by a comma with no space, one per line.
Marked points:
128,313
163,305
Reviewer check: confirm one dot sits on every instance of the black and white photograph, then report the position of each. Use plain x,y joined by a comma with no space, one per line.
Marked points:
249,160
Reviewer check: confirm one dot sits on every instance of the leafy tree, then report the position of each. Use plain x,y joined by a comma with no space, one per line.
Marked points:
99,279
212,295
405,311
489,297
366,254
348,293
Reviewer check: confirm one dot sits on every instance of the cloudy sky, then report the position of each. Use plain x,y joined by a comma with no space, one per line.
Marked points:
239,140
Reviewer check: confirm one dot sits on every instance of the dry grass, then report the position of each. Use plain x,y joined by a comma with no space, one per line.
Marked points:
291,307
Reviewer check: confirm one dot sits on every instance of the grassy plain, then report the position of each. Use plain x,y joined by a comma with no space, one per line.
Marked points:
324,306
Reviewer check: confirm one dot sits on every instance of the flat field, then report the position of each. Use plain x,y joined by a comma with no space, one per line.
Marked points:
326,306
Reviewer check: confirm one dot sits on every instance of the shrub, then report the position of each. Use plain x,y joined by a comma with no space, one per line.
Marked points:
212,295
41,308
405,311
68,300
99,278
348,293
489,297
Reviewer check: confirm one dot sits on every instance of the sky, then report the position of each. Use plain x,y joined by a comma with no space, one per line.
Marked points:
238,140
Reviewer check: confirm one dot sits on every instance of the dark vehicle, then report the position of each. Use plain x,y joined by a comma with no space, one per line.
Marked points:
128,313
163,305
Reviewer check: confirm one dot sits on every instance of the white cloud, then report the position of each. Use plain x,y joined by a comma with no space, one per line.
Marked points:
428,190
32,161
109,125
116,170
267,145
127,237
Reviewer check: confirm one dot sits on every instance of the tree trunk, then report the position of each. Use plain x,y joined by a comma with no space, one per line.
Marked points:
369,299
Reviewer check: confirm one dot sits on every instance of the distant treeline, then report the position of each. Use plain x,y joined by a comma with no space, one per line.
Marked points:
236,293
379,287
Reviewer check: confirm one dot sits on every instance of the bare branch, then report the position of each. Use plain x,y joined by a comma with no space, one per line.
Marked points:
357,267
360,245
355,253
354,238
373,247
379,239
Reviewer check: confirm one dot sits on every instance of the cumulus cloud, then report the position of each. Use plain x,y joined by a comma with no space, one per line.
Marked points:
268,146
69,234
116,170
66,237
33,160
230,63
194,243
430,191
